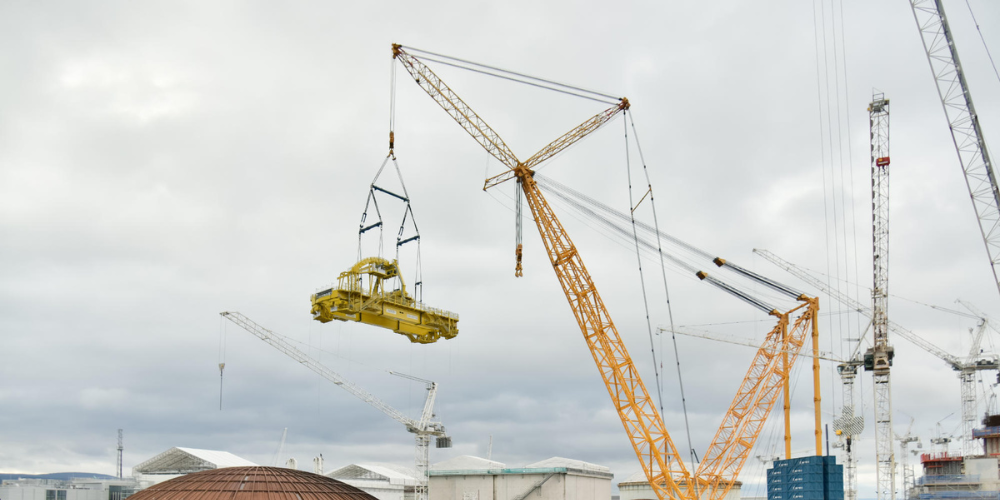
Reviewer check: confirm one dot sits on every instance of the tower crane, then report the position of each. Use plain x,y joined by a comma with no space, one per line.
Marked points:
904,442
878,359
423,428
963,122
660,458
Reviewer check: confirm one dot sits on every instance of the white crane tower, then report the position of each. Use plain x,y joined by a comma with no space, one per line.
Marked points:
878,359
423,429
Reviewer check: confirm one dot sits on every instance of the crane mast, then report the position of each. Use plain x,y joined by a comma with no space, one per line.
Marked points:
963,123
879,357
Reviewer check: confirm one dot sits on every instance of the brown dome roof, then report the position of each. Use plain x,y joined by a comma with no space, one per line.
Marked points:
252,483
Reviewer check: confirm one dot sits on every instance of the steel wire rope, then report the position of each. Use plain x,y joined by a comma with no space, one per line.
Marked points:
850,163
548,83
620,229
832,155
222,355
474,70
967,4
666,290
823,156
642,282
840,155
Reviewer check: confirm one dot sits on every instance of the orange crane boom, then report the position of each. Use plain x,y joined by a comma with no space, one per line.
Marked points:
660,459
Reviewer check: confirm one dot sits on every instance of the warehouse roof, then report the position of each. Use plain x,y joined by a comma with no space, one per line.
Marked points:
394,474
568,463
467,462
186,460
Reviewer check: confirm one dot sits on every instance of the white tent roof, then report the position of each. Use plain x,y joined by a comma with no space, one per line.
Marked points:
467,462
569,463
187,460
394,474
637,477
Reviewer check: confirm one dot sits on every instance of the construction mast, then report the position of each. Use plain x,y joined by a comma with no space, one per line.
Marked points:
878,359
121,449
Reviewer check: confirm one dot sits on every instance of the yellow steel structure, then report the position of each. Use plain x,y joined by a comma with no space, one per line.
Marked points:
767,375
361,295
656,451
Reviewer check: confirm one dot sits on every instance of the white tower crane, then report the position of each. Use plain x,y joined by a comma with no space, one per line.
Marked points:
878,359
963,122
904,442
423,428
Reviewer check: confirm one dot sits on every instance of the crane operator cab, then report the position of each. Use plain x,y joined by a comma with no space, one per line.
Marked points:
363,294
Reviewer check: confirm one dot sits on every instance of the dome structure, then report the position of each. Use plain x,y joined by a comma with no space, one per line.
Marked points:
252,483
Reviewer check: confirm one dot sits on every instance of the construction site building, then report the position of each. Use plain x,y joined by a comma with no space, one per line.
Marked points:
636,487
382,481
950,476
474,478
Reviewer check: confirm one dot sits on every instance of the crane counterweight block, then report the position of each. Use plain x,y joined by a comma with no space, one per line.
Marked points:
362,294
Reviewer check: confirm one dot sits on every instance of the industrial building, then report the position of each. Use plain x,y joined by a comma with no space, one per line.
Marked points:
67,489
969,476
474,478
636,487
177,462
382,481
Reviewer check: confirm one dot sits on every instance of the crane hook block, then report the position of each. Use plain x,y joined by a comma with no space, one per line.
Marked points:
362,294
517,269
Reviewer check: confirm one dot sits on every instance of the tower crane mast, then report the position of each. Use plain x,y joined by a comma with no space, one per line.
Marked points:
423,429
881,353
963,123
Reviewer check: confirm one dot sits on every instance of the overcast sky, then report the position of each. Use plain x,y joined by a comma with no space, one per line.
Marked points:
161,162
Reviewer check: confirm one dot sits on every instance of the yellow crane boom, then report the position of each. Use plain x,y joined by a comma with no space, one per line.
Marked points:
659,457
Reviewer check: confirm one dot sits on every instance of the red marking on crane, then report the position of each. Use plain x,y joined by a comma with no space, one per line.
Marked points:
883,161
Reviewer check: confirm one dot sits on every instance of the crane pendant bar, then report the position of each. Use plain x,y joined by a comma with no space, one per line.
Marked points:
362,295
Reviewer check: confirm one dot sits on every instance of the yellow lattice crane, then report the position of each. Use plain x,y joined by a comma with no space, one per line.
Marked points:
660,458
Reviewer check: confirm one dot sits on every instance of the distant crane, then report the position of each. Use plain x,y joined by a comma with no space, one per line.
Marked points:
423,429
904,442
963,122
121,448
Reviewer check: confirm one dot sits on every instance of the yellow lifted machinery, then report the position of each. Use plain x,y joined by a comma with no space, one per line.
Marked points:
361,295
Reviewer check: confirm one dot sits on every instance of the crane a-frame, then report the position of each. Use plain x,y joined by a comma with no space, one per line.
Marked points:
660,459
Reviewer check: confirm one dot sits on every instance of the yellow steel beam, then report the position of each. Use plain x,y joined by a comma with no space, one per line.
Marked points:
656,451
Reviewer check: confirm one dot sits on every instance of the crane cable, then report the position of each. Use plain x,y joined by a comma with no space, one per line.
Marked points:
666,289
588,207
642,279
516,77
983,39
